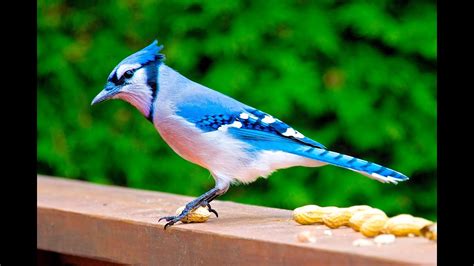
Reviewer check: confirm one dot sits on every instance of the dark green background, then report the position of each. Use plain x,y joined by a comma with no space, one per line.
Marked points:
357,76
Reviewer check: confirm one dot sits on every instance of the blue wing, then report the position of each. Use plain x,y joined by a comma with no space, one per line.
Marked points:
254,125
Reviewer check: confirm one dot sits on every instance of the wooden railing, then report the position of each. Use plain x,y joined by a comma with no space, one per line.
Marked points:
80,223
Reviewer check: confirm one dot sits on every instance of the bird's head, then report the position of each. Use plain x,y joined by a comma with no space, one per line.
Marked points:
134,80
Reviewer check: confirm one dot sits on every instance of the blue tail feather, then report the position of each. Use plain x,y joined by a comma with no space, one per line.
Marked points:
266,141
370,169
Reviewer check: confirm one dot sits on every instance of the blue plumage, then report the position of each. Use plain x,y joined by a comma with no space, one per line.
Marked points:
147,54
151,53
367,168
252,120
236,142
222,110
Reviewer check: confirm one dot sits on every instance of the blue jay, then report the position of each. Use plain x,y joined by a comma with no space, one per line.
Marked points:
235,142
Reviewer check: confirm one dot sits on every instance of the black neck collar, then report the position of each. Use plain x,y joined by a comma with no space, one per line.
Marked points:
152,75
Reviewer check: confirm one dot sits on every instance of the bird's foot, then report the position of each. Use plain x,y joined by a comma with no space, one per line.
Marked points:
170,220
174,219
202,200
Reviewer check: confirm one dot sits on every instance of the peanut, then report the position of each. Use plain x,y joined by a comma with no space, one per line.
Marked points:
360,217
198,215
422,222
405,224
373,226
371,222
311,214
337,218
357,208
430,231
398,219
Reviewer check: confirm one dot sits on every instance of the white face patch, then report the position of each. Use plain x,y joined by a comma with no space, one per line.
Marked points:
139,78
137,92
123,68
268,119
236,124
290,132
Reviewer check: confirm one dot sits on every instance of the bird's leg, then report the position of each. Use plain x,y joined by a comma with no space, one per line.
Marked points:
206,203
221,192
202,200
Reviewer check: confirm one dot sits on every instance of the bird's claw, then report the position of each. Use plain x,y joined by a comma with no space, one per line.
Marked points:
209,208
170,220
167,218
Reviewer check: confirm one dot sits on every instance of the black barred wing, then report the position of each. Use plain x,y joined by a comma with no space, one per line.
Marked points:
253,119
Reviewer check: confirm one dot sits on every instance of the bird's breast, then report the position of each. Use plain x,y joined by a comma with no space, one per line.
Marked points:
217,151
181,137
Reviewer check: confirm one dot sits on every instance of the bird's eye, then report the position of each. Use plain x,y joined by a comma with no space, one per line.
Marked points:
128,74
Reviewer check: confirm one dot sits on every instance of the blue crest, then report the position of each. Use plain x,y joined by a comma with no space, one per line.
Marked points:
145,55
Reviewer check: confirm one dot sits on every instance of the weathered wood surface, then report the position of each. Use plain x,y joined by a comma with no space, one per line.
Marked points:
120,225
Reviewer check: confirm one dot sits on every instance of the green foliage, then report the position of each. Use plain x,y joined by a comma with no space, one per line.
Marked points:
357,76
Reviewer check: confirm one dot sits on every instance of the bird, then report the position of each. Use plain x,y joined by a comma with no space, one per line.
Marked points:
234,141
